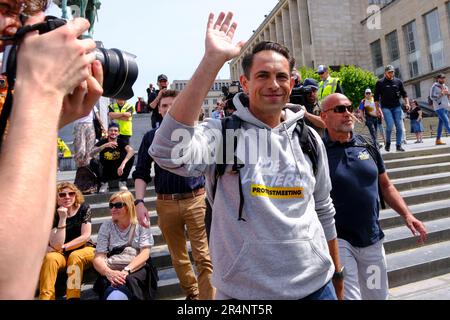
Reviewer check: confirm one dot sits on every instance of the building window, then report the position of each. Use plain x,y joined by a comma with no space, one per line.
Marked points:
377,56
448,11
412,45
392,46
436,46
417,90
205,102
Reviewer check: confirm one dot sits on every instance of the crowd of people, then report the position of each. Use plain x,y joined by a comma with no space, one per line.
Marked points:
296,208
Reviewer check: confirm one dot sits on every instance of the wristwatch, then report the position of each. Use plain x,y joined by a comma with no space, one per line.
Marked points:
127,269
137,201
339,275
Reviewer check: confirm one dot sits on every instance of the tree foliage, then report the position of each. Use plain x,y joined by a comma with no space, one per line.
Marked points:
354,81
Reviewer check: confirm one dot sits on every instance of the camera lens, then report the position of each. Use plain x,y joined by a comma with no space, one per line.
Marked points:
120,71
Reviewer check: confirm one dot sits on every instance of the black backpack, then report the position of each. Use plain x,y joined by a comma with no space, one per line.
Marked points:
86,180
308,144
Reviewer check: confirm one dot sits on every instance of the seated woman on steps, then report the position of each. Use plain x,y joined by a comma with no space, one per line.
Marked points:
69,246
135,278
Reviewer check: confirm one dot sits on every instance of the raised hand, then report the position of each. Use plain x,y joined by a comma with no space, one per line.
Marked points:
219,37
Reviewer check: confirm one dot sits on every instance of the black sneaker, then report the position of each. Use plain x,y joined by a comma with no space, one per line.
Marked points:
387,147
399,148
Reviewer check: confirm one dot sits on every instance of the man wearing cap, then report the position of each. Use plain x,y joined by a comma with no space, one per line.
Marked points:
387,93
372,115
122,113
327,85
439,93
155,97
312,118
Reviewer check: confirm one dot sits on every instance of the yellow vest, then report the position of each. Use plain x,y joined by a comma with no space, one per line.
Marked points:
330,88
64,149
125,126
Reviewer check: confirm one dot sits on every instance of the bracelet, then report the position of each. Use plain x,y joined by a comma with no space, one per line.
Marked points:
62,227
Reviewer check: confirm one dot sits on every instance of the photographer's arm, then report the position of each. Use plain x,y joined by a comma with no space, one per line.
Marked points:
219,50
315,120
49,67
155,102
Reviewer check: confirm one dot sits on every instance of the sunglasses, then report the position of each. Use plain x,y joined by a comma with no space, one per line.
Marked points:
341,109
65,194
117,205
321,73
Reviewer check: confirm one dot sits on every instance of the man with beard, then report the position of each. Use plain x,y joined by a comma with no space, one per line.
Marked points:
357,173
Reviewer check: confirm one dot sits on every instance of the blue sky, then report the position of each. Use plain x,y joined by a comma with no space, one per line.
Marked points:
168,36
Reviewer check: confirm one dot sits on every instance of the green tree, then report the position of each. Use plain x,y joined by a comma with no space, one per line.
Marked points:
354,81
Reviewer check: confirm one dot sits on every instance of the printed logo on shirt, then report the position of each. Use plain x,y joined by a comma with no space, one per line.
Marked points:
111,156
364,155
276,193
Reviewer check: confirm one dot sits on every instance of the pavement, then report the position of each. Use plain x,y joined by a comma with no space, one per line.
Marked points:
437,288
428,143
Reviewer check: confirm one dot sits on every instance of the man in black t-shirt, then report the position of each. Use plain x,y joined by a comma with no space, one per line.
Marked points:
116,159
387,96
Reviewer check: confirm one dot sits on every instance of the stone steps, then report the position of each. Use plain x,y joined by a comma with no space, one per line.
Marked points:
421,175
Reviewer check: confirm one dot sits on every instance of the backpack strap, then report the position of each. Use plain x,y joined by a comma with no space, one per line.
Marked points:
231,122
308,143
372,149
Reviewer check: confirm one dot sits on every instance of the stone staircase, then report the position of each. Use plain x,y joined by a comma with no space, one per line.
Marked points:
422,175
423,179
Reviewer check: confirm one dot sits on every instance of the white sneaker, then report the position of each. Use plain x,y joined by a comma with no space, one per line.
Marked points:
123,186
104,188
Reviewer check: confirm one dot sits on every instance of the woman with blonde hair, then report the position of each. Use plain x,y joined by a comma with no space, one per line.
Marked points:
69,245
137,278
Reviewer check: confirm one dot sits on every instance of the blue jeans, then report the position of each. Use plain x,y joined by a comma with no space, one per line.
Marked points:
325,293
372,125
391,116
443,122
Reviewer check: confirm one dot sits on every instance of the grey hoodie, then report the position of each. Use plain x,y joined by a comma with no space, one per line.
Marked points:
280,251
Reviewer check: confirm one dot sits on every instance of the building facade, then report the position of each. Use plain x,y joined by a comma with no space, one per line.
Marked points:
215,94
415,38
412,35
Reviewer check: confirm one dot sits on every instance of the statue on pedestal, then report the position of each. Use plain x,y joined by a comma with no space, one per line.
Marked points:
88,9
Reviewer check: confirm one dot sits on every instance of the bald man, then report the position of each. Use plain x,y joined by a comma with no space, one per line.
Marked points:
356,168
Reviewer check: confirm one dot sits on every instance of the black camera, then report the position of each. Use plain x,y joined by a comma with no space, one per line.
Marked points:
229,93
298,95
120,69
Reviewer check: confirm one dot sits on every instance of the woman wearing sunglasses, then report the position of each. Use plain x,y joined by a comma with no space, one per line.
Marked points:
69,246
134,280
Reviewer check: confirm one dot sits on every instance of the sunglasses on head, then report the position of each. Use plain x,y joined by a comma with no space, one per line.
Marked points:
341,109
65,194
117,205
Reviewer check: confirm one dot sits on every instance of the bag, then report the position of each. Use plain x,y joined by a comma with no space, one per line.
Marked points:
120,260
97,128
140,285
86,180
120,257
430,101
